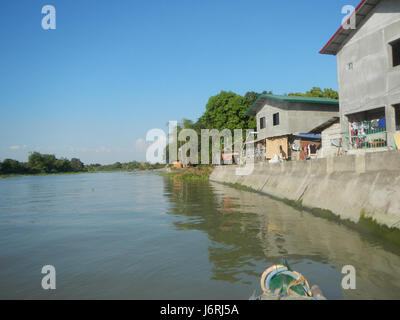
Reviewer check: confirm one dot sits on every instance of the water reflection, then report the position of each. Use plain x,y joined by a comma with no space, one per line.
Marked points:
248,231
142,236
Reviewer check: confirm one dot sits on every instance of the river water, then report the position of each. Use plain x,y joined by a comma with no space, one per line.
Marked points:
142,236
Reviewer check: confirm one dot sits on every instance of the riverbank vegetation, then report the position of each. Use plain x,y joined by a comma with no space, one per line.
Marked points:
42,164
199,173
128,166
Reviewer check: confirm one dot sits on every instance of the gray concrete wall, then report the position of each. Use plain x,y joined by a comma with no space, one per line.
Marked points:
268,111
327,136
293,117
372,82
348,186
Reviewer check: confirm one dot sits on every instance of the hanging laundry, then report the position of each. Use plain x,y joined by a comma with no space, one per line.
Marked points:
362,128
374,124
382,123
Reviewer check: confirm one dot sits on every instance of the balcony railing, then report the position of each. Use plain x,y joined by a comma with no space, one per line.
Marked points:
367,134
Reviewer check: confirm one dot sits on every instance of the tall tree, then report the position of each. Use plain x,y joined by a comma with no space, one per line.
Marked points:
226,110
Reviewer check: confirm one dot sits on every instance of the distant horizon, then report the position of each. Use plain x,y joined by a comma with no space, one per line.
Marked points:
110,72
69,158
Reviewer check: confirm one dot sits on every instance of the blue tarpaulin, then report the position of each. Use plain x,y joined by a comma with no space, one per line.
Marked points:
382,123
308,136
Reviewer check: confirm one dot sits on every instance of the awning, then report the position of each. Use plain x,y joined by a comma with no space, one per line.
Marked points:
325,125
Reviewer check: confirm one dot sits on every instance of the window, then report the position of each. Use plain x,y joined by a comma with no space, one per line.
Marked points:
396,52
262,123
397,116
276,119
350,66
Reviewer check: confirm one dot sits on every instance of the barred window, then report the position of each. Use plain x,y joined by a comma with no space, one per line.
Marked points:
396,52
276,119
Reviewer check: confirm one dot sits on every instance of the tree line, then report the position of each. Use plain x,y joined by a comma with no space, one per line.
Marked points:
128,166
41,163
47,163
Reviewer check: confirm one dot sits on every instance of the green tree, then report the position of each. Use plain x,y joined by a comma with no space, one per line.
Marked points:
226,110
330,93
49,161
76,165
315,92
36,163
41,163
11,166
62,165
319,93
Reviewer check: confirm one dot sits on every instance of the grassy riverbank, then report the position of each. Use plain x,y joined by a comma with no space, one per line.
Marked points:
199,173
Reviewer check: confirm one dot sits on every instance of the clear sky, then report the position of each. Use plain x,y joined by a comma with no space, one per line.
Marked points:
112,70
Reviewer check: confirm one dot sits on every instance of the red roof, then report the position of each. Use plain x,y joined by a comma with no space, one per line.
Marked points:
361,12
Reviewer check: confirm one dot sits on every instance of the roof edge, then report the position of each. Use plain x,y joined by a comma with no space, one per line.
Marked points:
251,107
322,51
301,99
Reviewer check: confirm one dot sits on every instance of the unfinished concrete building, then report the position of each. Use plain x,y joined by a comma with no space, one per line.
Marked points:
367,48
281,118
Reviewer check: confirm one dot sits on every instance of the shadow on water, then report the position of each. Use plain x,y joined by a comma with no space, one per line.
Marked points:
248,232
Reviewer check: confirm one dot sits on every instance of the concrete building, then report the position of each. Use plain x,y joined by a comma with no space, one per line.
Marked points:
279,118
304,146
368,60
331,139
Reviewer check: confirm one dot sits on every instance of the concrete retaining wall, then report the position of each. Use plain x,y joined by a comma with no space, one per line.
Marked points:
348,186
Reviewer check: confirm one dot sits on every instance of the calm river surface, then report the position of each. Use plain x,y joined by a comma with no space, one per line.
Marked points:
142,236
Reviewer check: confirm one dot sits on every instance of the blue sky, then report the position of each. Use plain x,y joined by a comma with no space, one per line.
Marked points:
112,70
